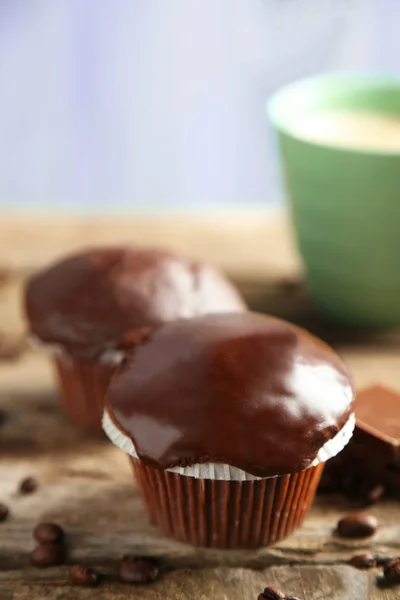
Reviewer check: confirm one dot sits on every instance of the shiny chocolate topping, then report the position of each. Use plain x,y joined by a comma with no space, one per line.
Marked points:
89,301
243,389
378,413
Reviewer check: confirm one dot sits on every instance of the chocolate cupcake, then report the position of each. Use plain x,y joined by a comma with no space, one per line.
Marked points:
228,420
88,307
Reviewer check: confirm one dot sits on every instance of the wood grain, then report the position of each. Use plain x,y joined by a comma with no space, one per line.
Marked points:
317,583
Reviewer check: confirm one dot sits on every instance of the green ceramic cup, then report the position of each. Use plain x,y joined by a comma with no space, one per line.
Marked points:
345,202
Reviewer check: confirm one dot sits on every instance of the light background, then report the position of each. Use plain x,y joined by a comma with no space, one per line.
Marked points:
115,105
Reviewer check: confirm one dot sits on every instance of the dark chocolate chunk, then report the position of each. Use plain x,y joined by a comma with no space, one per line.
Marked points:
363,561
28,485
137,570
391,571
357,525
369,466
377,411
48,533
4,512
84,576
48,555
328,483
271,593
352,487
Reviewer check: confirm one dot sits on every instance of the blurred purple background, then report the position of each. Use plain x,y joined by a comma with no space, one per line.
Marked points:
159,104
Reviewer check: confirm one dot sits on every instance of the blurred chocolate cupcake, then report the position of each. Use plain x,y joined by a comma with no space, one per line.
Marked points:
228,420
88,307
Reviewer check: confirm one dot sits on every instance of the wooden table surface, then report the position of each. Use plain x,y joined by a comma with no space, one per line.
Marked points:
86,484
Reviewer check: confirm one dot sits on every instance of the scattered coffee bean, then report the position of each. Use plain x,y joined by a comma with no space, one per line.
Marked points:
49,555
48,533
137,570
374,494
28,485
357,525
391,571
85,576
4,512
363,561
271,593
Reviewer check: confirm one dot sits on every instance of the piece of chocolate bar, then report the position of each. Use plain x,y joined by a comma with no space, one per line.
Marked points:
371,461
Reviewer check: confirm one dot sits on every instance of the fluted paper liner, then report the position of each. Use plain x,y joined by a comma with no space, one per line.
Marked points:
83,387
227,514
82,384
221,506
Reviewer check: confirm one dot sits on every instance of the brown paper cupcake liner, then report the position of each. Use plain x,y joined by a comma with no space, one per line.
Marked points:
82,389
227,514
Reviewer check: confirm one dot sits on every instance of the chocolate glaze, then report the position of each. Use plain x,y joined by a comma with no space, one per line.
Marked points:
372,458
378,413
243,389
88,301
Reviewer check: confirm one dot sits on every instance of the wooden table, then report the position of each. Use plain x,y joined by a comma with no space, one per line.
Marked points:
86,484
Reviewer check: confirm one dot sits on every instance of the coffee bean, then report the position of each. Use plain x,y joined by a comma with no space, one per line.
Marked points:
374,494
391,571
84,576
271,593
357,525
4,512
292,598
363,561
28,485
48,533
137,570
49,555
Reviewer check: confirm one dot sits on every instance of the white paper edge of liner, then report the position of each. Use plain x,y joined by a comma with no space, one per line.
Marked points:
227,472
109,357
